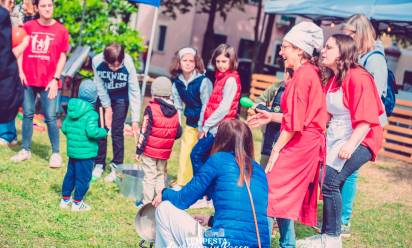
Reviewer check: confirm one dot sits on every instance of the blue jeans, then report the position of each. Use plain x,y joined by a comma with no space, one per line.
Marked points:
8,131
348,197
286,230
201,152
331,189
77,178
48,107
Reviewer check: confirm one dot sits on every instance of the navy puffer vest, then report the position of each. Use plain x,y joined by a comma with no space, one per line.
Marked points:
190,95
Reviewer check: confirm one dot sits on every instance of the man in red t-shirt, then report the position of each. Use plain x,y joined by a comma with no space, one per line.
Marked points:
40,69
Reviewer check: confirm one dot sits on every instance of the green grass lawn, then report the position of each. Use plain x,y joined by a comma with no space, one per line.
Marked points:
30,216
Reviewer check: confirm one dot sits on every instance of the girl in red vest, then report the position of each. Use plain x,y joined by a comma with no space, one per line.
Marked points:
293,167
222,104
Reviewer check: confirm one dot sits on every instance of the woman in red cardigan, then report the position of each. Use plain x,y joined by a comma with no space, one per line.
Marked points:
354,134
293,167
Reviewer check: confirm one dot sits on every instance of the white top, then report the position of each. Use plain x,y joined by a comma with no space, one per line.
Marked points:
339,130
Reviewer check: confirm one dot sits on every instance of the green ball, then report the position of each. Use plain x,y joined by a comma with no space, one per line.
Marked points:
246,102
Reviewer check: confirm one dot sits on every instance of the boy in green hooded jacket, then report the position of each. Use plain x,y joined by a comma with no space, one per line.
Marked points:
82,131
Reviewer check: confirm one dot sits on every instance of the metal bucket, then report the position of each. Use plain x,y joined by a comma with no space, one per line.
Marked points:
130,181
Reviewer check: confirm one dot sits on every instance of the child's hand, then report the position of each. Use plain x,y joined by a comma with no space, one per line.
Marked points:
108,114
201,135
157,200
137,158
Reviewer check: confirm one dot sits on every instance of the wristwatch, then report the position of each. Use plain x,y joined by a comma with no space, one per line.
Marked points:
57,79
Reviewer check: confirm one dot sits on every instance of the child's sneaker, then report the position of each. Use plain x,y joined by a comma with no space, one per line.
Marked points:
55,161
65,204
97,171
112,176
80,207
22,155
139,204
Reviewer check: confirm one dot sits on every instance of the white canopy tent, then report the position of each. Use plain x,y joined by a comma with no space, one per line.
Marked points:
395,13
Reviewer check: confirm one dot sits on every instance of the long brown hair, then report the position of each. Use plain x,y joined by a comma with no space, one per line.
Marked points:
235,136
348,56
229,52
175,68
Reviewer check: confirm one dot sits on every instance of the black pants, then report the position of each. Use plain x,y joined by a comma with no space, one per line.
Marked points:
119,108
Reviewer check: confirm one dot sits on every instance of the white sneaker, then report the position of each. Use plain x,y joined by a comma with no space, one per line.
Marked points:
112,176
97,171
80,207
310,242
65,204
346,230
22,155
55,161
320,241
329,241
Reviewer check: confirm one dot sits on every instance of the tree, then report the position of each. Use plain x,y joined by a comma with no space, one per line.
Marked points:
211,7
263,48
257,41
103,22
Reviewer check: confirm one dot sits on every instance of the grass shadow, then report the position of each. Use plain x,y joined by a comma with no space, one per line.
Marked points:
40,150
56,188
15,148
397,170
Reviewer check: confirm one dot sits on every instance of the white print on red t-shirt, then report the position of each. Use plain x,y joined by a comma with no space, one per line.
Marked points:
40,43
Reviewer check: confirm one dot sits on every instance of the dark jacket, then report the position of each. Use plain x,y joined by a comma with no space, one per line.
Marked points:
11,90
233,219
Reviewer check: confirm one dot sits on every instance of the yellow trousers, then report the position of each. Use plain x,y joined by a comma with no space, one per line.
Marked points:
189,140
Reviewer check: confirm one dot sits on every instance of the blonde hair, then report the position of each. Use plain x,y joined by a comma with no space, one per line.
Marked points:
365,35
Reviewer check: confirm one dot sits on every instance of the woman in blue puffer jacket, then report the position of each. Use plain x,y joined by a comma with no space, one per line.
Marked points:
222,178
